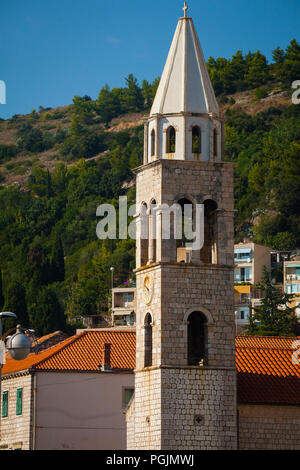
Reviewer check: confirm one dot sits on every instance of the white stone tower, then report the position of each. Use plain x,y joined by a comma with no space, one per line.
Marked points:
185,378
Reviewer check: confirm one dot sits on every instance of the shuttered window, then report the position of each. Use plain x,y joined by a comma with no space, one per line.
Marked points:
4,404
19,401
127,395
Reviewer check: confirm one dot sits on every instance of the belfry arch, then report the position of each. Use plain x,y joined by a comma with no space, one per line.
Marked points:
208,253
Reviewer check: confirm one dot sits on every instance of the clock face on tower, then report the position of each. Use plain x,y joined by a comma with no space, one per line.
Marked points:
148,289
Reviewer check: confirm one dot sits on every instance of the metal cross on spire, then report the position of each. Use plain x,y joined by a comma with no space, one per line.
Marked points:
185,9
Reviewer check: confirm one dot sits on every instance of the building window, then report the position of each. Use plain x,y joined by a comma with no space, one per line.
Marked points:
196,140
128,298
243,274
148,340
243,255
244,314
197,339
245,298
171,140
19,405
293,288
4,404
127,395
215,143
152,143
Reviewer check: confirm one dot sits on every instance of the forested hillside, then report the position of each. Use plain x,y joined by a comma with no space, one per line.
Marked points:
58,165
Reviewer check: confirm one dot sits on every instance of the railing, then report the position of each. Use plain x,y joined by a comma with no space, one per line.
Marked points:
243,260
245,300
292,277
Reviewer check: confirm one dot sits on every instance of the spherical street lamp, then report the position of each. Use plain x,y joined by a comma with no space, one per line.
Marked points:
19,345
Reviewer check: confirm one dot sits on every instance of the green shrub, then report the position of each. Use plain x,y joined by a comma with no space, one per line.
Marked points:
56,115
19,171
260,93
10,166
7,152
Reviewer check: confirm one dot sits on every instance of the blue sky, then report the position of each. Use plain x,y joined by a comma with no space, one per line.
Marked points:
52,50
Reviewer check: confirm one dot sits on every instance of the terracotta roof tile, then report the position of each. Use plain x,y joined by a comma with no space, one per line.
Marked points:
12,366
82,352
266,372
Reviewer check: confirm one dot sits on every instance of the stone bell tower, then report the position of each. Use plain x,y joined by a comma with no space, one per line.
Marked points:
185,378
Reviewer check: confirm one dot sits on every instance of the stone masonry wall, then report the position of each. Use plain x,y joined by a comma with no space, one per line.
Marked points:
166,181
130,426
198,409
147,412
15,430
265,427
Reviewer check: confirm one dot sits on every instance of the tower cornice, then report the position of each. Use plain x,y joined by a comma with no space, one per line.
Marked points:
176,163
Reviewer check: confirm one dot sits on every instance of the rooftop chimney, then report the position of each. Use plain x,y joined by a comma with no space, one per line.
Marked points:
106,367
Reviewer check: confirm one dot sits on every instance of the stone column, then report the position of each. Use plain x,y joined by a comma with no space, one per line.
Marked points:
224,244
184,139
157,138
146,139
138,242
151,241
159,236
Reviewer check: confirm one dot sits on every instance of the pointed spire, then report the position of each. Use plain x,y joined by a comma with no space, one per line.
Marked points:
185,85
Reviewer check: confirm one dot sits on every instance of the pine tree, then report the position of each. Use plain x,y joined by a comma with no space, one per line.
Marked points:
46,313
50,192
258,72
132,97
278,58
290,70
108,104
274,317
57,261
15,301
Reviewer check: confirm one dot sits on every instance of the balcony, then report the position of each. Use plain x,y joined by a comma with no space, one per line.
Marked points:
292,277
242,279
243,260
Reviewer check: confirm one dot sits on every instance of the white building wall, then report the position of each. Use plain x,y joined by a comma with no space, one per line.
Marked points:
184,126
81,411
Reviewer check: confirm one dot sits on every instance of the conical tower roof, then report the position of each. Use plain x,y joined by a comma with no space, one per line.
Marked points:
185,85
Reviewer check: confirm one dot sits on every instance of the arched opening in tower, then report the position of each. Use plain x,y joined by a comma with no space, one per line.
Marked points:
183,230
196,142
152,143
148,340
144,239
208,253
171,140
215,149
197,339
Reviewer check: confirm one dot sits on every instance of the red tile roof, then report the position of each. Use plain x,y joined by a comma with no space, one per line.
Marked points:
266,373
85,352
266,370
82,352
